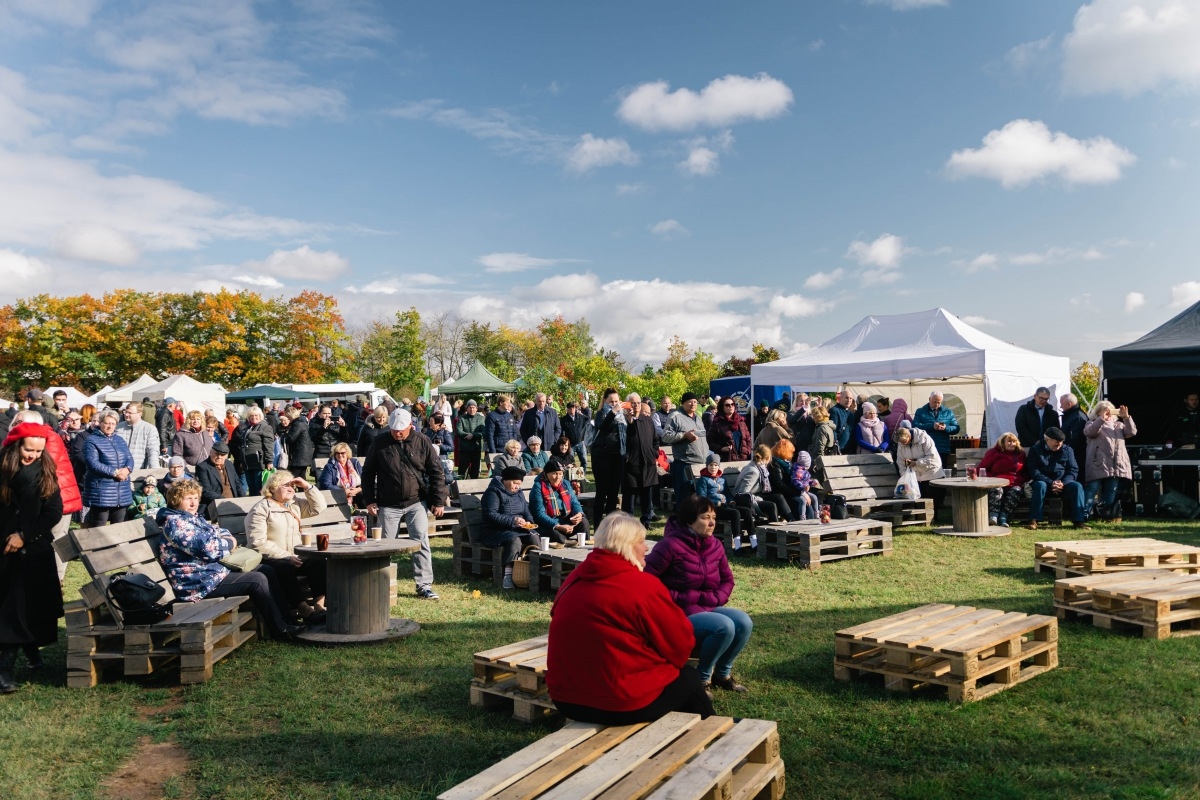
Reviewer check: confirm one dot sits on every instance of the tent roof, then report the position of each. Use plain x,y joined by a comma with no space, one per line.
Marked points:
268,391
478,380
75,398
124,394
1172,349
930,344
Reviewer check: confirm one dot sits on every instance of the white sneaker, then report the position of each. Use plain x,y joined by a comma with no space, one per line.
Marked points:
508,583
753,542
737,543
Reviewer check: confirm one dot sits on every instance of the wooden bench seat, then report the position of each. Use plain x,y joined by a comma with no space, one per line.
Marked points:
868,482
197,635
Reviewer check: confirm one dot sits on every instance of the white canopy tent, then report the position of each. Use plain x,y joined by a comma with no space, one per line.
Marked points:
194,395
125,394
75,398
911,355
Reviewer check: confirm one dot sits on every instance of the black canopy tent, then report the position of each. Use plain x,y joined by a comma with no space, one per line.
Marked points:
1153,374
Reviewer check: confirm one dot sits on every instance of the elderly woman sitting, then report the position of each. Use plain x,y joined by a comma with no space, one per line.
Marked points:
871,434
342,472
1005,460
511,457
273,529
554,506
534,459
191,553
507,519
619,644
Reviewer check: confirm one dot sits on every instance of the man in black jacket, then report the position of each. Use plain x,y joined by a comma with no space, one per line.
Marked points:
1035,418
573,423
1073,420
298,443
326,431
167,425
217,478
400,468
541,421
1052,470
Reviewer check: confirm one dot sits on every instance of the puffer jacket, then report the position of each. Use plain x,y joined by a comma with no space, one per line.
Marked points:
274,530
721,438
500,508
1106,453
500,428
692,567
104,455
1010,466
923,452
712,488
298,443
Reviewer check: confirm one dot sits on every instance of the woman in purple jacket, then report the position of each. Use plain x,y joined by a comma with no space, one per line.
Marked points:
691,563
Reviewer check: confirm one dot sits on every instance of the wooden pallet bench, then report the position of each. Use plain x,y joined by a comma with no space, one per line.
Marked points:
100,645
868,482
679,756
812,543
1159,602
548,570
514,674
1095,556
974,653
469,557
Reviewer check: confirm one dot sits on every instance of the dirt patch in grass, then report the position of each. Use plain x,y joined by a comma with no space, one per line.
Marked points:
156,769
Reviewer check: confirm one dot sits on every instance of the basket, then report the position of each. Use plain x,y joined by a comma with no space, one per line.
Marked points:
520,573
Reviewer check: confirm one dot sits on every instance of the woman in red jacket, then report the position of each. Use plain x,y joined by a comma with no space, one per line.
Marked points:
1005,460
618,644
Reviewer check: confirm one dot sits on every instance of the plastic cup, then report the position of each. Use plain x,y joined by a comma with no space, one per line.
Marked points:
376,533
580,539
306,538
544,544
982,472
322,541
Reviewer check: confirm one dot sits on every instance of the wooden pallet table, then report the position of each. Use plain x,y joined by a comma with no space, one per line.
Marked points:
1159,602
973,652
812,543
679,756
514,674
1095,556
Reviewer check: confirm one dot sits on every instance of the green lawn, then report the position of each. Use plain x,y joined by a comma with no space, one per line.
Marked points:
1120,717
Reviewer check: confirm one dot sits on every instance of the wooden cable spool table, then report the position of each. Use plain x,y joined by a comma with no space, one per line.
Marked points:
356,600
969,499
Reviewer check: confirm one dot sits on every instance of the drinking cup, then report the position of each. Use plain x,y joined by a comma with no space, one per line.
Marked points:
322,541
376,533
580,539
306,538
544,544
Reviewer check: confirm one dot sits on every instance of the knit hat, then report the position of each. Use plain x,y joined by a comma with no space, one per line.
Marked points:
906,423
713,458
472,403
804,459
512,474
176,461
688,396
553,465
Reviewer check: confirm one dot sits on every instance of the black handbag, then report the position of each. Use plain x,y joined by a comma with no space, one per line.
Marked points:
136,596
837,506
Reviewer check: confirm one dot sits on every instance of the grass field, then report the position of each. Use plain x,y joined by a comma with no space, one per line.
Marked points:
1119,718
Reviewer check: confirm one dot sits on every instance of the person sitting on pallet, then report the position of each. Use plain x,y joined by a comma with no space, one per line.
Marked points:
1005,460
554,506
1052,470
507,519
619,645
711,485
273,529
804,483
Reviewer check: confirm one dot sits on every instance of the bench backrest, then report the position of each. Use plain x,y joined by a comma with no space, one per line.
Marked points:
123,547
868,476
729,470
477,486
968,457
231,513
319,464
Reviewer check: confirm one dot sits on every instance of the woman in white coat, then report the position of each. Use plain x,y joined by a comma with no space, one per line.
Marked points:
915,449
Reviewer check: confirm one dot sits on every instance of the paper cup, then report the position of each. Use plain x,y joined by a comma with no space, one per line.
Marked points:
580,539
544,545
376,533
306,539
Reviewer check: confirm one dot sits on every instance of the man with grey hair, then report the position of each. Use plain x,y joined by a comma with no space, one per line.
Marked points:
541,421
1035,418
842,415
938,421
402,475
1073,420
141,436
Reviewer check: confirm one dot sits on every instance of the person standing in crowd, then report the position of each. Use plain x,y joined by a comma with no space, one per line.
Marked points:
257,449
824,440
775,431
641,467
937,421
1073,420
541,421
1183,427
326,431
31,505
842,415
899,414
1107,459
685,433
193,443
729,436
1035,418
619,644
501,426
469,433
36,401
1052,470
67,483
141,438
608,454
372,429
573,423
298,443
107,489
400,469
60,408
230,422
662,414
871,434
167,425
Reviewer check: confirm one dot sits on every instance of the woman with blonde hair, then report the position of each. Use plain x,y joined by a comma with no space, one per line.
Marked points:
192,443
273,529
1107,459
775,431
1004,460
342,472
619,644
511,457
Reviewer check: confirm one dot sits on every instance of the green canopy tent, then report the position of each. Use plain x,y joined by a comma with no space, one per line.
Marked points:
267,392
476,380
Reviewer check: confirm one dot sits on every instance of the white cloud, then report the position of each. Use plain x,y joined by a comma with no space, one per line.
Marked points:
1024,151
591,152
823,280
1185,294
794,305
1134,301
885,252
18,268
882,275
97,243
1026,55
908,5
22,16
1058,255
816,45
259,281
980,262
700,161
417,281
630,188
1130,46
724,101
520,262
669,229
977,321
300,264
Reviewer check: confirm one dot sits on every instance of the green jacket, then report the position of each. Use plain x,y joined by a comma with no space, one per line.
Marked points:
152,503
470,431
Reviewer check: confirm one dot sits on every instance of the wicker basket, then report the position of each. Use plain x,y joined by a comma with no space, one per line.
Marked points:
520,573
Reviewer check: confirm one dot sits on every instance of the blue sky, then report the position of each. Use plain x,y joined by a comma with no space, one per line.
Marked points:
727,172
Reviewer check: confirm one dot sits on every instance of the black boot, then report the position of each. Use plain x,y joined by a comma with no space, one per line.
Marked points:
34,657
8,659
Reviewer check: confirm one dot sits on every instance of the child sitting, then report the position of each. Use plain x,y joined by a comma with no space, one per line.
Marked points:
147,500
803,481
711,485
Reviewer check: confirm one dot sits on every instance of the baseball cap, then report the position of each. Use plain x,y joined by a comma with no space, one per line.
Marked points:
401,419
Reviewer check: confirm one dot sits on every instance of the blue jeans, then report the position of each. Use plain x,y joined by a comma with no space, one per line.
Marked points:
1108,507
580,451
1072,498
682,481
722,633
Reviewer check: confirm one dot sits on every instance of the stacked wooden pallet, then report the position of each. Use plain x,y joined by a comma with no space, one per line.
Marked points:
974,653
515,675
812,543
1158,602
1095,556
679,756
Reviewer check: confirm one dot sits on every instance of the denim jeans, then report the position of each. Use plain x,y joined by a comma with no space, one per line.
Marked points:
721,633
417,520
682,480
1072,499
580,451
1107,507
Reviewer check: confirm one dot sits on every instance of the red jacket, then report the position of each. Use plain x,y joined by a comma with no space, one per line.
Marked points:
66,472
616,637
1005,465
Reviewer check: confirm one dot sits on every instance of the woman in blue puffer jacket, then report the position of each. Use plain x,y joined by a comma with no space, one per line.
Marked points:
107,490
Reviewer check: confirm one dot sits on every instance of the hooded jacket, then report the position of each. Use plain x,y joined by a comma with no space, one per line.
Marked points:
692,567
616,638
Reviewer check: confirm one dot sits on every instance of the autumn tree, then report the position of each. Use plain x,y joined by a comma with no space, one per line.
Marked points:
404,372
1085,384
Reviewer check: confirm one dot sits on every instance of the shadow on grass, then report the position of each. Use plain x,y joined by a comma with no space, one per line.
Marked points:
1022,574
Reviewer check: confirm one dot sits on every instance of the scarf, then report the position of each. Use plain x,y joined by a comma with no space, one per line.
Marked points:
766,478
871,430
556,506
347,476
